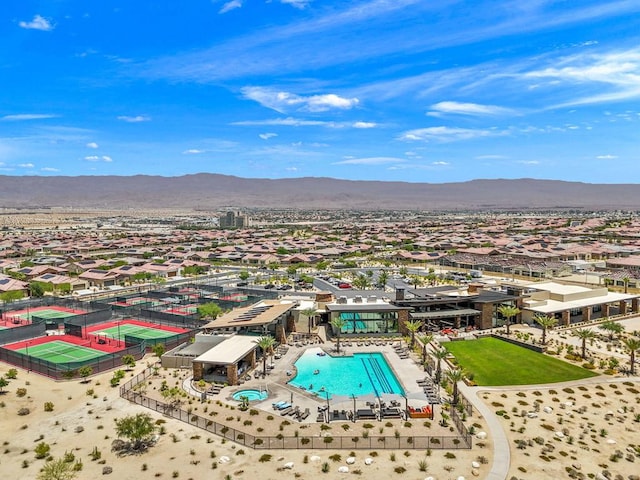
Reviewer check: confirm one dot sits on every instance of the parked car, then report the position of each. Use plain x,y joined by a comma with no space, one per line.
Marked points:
269,286
344,285
242,284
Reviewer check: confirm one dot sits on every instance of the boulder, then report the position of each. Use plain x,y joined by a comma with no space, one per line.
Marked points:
343,469
288,465
351,460
315,458
106,470
481,435
547,409
368,461
475,464
224,459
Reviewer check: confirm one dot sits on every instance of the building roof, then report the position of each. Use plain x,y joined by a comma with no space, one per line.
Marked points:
261,313
444,314
230,351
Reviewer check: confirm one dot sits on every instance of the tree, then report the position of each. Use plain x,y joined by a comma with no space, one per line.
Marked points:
454,376
57,469
612,328
243,275
158,349
632,345
361,282
85,372
338,324
626,280
412,327
266,344
11,296
426,340
310,313
3,383
36,289
383,277
508,312
138,429
584,334
209,310
439,354
129,361
545,322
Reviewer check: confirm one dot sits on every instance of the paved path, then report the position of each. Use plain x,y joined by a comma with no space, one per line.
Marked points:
502,455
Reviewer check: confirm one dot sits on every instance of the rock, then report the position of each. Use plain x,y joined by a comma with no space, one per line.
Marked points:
568,404
460,477
315,458
368,461
429,478
611,441
224,459
577,466
351,460
600,476
475,464
547,409
79,429
343,469
288,465
559,435
475,472
481,435
532,415
634,477
118,445
106,470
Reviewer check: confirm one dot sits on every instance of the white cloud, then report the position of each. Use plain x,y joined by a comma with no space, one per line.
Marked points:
38,23
289,122
607,157
370,161
364,125
529,162
27,116
49,169
192,151
284,101
92,145
134,119
474,109
231,5
447,134
440,164
296,3
490,157
96,158
291,169
267,136
26,165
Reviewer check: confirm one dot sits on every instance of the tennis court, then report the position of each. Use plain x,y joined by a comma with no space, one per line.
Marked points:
58,351
48,313
118,332
190,309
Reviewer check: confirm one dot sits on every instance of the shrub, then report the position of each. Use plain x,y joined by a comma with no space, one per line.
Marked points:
42,450
265,458
48,406
21,392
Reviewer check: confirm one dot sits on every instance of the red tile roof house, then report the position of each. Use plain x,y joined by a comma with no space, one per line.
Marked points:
101,278
57,280
8,284
32,272
161,269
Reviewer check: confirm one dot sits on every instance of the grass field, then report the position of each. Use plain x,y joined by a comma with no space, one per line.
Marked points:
494,362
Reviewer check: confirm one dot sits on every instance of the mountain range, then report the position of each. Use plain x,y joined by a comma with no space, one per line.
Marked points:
210,191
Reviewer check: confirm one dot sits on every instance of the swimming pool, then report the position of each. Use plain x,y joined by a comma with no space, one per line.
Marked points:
360,374
251,394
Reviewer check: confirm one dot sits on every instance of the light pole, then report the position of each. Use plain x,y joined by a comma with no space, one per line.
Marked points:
119,332
328,408
353,417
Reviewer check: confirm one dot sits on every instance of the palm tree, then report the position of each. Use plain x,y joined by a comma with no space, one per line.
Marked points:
338,324
454,376
265,343
612,327
508,312
439,354
412,327
584,334
383,276
626,280
361,282
310,313
546,322
426,340
632,344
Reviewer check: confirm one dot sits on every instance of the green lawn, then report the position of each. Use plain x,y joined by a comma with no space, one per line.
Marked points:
495,362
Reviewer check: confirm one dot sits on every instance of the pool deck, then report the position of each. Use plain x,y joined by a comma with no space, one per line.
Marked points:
407,371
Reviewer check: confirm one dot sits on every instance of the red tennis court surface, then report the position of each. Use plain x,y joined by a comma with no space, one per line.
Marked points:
112,347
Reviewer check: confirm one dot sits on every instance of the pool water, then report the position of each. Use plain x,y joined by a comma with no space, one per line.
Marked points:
360,374
251,394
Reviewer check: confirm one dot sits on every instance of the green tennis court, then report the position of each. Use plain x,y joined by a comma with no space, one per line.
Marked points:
119,332
58,351
48,313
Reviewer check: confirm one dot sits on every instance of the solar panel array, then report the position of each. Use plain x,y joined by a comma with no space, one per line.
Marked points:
252,313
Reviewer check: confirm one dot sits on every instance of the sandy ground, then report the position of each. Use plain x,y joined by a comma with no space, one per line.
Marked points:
564,431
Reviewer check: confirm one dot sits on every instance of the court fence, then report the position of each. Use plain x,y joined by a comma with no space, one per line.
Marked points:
290,442
24,332
70,370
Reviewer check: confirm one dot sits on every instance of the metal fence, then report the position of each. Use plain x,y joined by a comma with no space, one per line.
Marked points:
290,442
23,332
69,370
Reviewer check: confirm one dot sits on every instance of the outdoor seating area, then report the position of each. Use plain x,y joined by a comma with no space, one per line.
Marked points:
420,412
403,352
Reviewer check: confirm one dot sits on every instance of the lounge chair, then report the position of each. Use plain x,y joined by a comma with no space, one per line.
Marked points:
285,411
304,414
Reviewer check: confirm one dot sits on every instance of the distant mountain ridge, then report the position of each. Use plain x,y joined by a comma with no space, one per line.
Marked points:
206,190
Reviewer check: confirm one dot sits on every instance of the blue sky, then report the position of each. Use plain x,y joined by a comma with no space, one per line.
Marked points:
412,90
